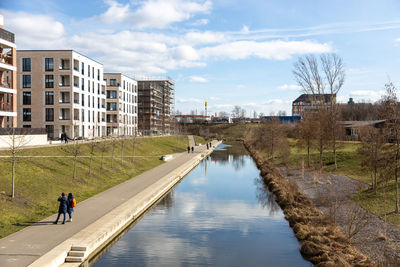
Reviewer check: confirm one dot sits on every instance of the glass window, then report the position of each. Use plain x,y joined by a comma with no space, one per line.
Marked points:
93,72
88,71
98,75
26,81
26,64
49,98
83,100
26,126
88,100
114,94
83,84
88,85
26,98
83,68
49,81
113,82
26,114
49,114
49,64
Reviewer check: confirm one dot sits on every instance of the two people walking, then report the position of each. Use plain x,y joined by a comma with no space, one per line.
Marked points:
64,138
67,205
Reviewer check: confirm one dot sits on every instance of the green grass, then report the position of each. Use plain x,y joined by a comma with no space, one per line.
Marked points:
349,164
199,140
39,181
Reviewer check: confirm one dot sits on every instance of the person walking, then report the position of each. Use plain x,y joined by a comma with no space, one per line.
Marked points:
71,203
207,146
192,149
188,149
62,209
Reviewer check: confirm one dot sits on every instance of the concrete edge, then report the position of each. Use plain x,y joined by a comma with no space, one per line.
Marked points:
107,227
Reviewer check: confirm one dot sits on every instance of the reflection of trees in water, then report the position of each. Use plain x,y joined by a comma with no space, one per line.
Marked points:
265,197
166,202
238,161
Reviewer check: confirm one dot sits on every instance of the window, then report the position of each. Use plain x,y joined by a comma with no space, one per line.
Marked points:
50,131
93,72
49,98
88,100
83,84
49,114
49,64
49,81
113,82
26,114
26,126
26,98
88,71
83,100
98,75
26,81
26,64
83,68
88,85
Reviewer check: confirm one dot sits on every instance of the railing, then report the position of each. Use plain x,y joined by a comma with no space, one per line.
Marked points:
5,85
6,35
64,101
64,118
6,107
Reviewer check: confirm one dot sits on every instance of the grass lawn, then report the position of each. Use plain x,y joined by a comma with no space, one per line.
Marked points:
39,181
349,164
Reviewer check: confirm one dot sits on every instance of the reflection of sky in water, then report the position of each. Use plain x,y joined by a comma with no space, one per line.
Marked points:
221,214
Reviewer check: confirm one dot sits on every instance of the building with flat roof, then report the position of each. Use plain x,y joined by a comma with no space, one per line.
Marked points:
311,103
8,78
121,104
156,105
62,91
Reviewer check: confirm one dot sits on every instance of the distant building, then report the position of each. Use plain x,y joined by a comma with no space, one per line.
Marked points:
192,118
121,104
283,119
352,128
311,102
155,106
8,78
62,91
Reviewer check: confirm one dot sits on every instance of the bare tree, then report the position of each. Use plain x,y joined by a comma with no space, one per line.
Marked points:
103,148
236,111
15,139
307,133
371,151
333,69
318,77
92,146
390,111
122,141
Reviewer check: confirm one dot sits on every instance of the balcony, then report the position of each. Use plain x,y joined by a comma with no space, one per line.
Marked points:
65,114
65,81
64,64
8,36
6,107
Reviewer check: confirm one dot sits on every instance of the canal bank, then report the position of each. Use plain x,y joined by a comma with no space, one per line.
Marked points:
45,244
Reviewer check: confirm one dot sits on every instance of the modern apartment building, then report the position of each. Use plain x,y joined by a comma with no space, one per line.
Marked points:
62,91
8,78
156,105
121,104
310,103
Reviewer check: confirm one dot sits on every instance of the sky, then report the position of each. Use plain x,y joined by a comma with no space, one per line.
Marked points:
225,52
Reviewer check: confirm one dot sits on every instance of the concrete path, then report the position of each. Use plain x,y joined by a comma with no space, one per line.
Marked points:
26,246
192,143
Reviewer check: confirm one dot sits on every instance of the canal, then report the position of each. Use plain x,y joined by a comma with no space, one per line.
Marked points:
221,214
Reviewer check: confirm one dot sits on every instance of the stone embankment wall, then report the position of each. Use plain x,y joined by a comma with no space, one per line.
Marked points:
322,243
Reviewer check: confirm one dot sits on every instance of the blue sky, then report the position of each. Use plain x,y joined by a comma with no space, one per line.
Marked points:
226,52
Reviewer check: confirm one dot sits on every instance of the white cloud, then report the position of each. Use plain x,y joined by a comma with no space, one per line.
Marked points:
39,31
190,100
367,94
206,37
277,50
290,87
200,22
198,79
116,12
157,14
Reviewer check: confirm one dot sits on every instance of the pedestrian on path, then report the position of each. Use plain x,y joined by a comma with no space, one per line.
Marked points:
188,149
207,146
192,149
71,203
62,209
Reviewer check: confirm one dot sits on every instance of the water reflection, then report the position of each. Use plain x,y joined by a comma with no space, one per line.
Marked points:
218,216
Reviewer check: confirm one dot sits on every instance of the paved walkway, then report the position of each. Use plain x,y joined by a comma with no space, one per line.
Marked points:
24,247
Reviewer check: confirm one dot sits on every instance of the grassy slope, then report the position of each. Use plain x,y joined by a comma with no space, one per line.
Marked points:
39,181
349,164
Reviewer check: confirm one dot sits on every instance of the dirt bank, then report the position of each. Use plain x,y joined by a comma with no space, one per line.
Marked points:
322,243
331,194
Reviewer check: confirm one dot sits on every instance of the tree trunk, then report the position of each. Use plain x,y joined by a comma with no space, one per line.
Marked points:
13,176
112,156
122,152
320,152
396,177
334,150
90,163
74,175
308,155
102,157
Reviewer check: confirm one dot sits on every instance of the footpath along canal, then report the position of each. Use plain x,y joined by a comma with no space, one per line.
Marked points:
221,214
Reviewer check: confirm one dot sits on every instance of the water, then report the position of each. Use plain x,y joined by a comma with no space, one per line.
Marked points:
221,214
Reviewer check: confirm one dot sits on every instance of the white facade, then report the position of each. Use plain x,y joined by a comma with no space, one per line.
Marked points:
122,107
66,93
